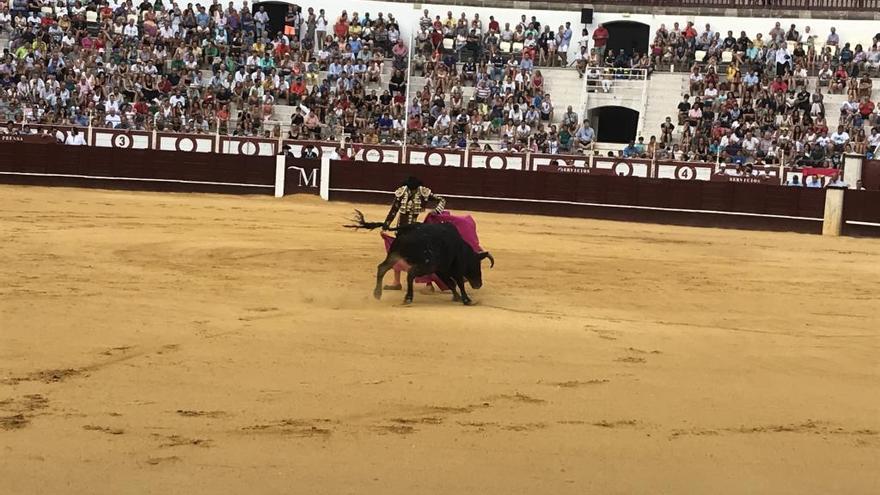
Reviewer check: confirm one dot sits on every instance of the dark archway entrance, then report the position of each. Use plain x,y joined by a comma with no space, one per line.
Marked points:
628,35
277,13
614,124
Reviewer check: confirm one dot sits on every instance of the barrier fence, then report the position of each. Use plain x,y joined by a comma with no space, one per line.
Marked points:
631,189
120,139
94,166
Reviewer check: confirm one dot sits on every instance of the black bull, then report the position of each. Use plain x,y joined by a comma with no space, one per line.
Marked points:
431,248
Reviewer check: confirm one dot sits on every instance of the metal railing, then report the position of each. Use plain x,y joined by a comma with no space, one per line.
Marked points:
622,83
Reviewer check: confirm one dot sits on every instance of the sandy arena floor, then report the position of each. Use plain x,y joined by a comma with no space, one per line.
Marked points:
166,343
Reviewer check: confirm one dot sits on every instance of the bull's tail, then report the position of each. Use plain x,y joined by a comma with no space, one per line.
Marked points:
361,223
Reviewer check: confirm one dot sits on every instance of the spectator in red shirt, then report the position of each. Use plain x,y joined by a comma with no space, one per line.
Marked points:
600,39
281,49
165,85
415,129
297,91
866,107
106,12
436,38
140,107
341,28
778,86
493,24
839,81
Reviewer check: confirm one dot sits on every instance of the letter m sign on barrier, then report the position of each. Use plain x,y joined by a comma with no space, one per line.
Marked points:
302,176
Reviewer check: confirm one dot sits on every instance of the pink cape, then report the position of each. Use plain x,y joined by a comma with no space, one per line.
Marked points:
465,225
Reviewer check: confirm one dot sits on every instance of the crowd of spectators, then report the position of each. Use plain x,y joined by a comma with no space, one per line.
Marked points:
500,63
754,102
681,47
217,68
199,69
212,68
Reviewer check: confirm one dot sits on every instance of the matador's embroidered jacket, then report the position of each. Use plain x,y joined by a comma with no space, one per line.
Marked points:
410,204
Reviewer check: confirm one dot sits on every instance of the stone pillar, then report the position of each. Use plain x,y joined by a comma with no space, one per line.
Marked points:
852,169
833,221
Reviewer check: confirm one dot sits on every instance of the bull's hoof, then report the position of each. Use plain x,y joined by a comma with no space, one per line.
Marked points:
407,300
393,287
467,302
377,294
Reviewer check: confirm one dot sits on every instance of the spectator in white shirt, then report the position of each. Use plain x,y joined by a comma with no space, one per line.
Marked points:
837,182
4,20
873,140
814,182
443,121
240,76
839,138
75,138
112,119
783,59
167,31
261,18
130,31
750,144
111,104
522,131
177,100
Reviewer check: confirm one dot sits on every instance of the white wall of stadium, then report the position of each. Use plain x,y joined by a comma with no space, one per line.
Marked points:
408,14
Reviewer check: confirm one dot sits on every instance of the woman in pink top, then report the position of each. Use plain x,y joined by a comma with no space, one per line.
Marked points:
86,41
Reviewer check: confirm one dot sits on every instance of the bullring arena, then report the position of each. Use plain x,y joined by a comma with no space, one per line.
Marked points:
182,309
182,343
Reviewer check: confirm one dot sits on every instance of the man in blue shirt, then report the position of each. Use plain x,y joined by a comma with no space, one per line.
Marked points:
751,79
814,182
80,119
384,122
334,70
566,35
640,146
355,44
630,151
440,141
202,19
585,134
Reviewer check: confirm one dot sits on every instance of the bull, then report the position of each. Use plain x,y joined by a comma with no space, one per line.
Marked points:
431,248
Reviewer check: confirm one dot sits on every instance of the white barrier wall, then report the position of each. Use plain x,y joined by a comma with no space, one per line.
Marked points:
408,14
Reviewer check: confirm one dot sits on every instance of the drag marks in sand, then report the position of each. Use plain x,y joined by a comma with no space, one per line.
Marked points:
17,412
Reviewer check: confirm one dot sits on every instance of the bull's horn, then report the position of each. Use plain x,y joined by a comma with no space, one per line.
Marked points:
486,254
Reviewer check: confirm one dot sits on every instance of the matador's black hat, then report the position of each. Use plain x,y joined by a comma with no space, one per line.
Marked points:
412,182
